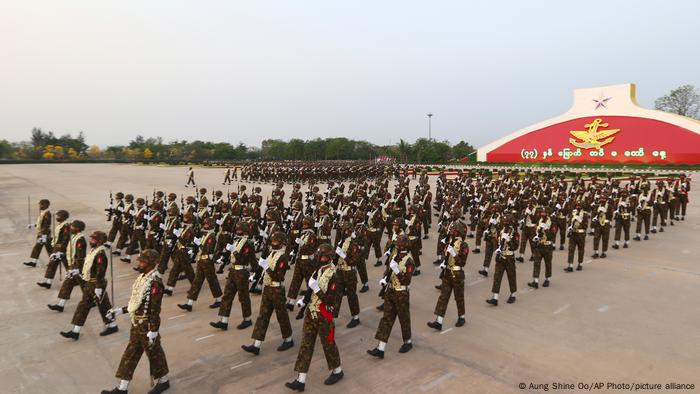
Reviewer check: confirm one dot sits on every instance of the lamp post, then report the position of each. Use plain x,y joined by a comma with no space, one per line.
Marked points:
430,126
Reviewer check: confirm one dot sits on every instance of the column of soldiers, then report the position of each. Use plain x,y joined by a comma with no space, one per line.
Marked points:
507,212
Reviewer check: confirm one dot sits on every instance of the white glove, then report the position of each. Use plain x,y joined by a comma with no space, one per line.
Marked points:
498,251
543,225
394,266
317,224
219,222
71,273
388,252
339,212
162,226
558,206
190,252
151,335
229,247
443,265
140,227
262,234
353,235
195,214
492,221
30,226
98,292
369,214
340,252
290,217
44,237
313,285
251,278
263,263
569,228
300,302
113,313
451,251
506,237
407,222
120,209
444,240
393,237
382,282
197,241
132,212
147,217
53,256
177,232
299,241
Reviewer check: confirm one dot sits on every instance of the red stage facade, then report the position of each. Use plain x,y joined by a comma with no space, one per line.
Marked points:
605,125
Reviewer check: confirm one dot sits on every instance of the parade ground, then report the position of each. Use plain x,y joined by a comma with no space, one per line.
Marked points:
629,319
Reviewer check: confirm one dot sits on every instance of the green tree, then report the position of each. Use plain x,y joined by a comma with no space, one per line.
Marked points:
683,100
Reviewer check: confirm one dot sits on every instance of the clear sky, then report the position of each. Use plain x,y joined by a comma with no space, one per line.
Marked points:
250,70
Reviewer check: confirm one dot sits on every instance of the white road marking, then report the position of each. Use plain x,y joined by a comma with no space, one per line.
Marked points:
9,254
446,331
122,276
208,336
241,365
430,385
472,283
175,317
684,252
603,308
562,309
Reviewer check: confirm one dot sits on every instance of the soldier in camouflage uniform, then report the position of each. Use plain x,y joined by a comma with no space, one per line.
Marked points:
348,252
59,242
274,266
75,252
144,311
456,254
93,282
508,241
545,234
205,268
241,255
322,294
182,252
304,267
578,222
43,233
397,280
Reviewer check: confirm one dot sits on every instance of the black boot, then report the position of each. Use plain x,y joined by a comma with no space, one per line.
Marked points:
285,345
483,273
476,250
637,238
380,307
215,305
603,255
434,324
492,301
534,285
109,330
460,322
244,324
185,307
364,288
290,307
616,246
30,263
378,263
568,269
70,334
159,387
579,267
546,283
646,237
595,255
114,391
295,385
168,292
44,285
520,259
219,324
251,349
561,247
376,353
353,323
511,299
406,347
334,378
56,307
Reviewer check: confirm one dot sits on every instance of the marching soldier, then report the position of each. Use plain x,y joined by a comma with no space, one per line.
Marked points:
144,311
601,225
43,233
182,253
622,218
59,241
660,198
242,255
348,252
115,213
545,233
578,223
490,236
190,177
304,267
138,231
274,266
397,280
93,282
126,220
318,322
453,277
205,268
643,212
227,176
508,241
75,251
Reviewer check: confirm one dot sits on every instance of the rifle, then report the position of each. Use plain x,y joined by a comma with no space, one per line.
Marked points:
443,258
109,210
258,274
387,272
307,297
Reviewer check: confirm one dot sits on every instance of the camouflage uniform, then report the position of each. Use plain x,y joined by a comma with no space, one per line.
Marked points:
397,300
453,279
242,255
205,269
273,297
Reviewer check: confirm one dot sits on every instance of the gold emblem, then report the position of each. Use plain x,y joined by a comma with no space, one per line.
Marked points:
593,138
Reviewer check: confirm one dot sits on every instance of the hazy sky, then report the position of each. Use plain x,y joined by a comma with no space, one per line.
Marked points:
249,70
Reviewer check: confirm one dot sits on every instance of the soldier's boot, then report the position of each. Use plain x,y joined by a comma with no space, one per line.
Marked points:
534,285
646,237
532,258
406,347
561,246
492,301
425,236
460,321
477,250
285,345
653,230
626,245
168,292
378,263
616,245
110,329
603,255
44,285
661,229
55,307
216,304
484,272
511,299
244,324
595,255
376,353
579,267
546,283
570,268
220,325
520,259
333,378
114,391
416,272
160,387
353,323
380,307
437,262
295,385
289,305
181,277
365,288
637,237
434,324
185,307
252,349
30,263
70,334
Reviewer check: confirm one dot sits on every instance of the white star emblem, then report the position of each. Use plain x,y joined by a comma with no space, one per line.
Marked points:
601,101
